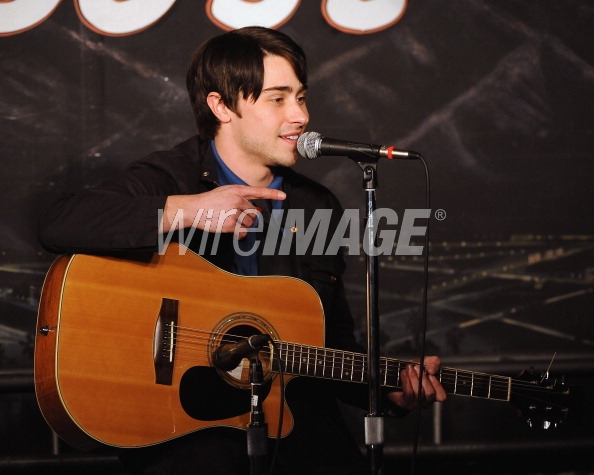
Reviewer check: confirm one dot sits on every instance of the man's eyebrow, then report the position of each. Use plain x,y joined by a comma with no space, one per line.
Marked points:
287,89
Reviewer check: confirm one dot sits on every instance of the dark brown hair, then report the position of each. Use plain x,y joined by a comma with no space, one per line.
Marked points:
232,64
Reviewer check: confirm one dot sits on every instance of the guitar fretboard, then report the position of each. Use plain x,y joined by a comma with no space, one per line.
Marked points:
348,366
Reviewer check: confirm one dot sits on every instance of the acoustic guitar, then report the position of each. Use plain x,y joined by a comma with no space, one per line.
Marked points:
124,351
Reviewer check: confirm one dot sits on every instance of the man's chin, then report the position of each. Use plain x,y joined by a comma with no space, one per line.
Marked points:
288,161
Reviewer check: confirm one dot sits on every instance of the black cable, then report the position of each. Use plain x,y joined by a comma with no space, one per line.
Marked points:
281,405
424,320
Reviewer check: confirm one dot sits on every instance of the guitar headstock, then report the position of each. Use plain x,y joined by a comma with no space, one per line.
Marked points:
545,402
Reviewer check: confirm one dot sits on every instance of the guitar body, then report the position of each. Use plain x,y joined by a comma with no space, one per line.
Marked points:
108,368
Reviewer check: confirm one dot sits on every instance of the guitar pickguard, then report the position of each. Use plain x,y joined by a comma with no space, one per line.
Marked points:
205,396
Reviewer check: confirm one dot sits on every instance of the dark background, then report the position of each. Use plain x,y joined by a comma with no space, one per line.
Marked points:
498,98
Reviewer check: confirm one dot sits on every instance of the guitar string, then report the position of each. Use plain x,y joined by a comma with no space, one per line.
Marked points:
461,377
448,376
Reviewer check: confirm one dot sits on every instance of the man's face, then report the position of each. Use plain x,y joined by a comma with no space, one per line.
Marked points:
268,129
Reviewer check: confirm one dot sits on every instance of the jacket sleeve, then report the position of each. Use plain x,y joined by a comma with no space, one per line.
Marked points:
116,216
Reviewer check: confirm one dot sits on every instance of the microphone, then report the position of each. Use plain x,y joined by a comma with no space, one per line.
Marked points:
312,145
227,357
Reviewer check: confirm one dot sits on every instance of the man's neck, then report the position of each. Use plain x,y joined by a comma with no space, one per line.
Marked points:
254,174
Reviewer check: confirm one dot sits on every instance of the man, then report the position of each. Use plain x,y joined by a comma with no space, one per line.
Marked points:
248,91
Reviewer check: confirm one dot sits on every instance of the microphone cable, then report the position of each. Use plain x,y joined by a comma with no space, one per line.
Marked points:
423,334
281,374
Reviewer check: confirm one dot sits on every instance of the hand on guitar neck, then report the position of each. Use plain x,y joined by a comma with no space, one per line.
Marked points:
432,390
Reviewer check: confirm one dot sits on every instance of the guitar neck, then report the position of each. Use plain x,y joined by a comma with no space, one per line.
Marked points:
351,367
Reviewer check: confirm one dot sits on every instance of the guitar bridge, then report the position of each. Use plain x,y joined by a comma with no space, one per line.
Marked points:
164,341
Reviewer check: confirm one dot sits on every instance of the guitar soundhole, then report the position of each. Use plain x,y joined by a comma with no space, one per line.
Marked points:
240,376
237,327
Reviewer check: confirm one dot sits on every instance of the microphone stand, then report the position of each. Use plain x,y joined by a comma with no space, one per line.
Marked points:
374,421
257,431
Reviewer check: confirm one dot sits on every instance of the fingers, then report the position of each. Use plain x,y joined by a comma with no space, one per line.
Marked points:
244,219
226,209
432,364
431,388
432,369
246,213
242,212
427,389
258,192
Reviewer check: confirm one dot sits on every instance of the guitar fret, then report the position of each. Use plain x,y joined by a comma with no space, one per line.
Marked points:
284,355
333,357
392,372
482,385
333,367
388,377
320,366
352,365
291,353
357,371
501,388
304,362
281,364
362,370
292,358
346,374
464,387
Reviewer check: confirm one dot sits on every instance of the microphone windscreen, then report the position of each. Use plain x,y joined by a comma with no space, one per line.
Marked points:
308,145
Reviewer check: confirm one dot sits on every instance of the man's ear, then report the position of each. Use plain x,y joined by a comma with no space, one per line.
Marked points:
218,107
